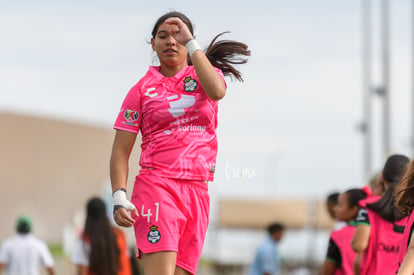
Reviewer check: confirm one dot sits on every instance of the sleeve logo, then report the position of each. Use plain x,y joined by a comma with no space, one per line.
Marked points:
190,84
131,116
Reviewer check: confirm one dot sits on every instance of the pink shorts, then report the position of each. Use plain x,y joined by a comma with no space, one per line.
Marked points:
173,216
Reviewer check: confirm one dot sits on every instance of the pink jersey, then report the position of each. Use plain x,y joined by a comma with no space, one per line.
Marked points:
178,124
342,238
405,239
368,200
381,255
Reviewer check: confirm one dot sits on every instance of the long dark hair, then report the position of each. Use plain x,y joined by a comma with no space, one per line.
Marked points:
103,259
404,192
354,196
221,54
392,172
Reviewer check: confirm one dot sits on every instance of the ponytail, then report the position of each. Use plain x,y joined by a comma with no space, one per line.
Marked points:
223,53
404,191
386,206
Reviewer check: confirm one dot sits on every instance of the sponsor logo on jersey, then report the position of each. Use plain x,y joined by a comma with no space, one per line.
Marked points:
154,235
190,84
177,107
388,248
362,215
191,128
149,90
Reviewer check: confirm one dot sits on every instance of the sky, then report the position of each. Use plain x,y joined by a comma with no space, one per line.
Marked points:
290,129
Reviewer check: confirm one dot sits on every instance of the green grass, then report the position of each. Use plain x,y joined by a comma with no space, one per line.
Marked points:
56,249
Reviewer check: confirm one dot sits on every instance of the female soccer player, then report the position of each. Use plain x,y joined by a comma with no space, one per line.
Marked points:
380,225
340,257
404,196
174,106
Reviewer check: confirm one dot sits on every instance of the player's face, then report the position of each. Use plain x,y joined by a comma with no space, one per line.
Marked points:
170,53
378,188
277,236
330,205
343,211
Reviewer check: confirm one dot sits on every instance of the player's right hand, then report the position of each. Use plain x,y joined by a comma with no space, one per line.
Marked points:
121,208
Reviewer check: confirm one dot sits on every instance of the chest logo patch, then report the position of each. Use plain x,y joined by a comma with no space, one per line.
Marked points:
190,84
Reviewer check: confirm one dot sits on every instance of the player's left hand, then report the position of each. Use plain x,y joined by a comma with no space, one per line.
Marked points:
182,34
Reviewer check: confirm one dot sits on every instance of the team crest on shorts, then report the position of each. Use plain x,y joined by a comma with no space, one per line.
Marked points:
154,235
190,84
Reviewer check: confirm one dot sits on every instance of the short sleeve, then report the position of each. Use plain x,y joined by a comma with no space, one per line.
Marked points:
81,253
362,217
3,254
47,259
129,117
333,254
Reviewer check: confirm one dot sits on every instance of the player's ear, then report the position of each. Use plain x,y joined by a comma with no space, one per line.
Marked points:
153,44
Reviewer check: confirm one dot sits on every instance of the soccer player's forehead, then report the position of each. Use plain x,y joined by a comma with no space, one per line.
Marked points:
343,199
165,29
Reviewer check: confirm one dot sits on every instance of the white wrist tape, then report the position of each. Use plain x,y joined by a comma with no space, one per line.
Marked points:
119,199
192,46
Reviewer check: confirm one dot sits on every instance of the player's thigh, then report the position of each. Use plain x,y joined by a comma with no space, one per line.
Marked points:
159,263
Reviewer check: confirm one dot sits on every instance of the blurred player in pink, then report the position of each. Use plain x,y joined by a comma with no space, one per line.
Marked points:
380,225
175,107
404,197
340,257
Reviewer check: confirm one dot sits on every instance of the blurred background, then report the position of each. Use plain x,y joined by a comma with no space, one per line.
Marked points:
327,96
